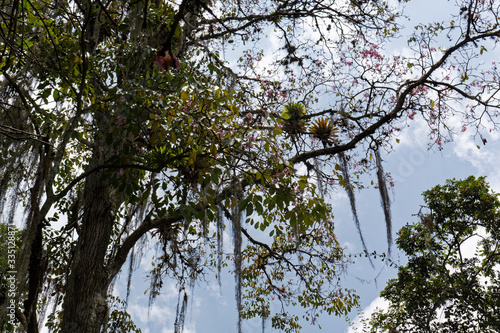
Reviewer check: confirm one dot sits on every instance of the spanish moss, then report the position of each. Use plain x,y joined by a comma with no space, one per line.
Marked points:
236,219
384,199
220,240
352,199
180,314
129,277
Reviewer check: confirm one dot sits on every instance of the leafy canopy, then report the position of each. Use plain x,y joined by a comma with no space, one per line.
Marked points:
446,287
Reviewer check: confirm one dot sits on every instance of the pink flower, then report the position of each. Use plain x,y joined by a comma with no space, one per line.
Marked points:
160,61
166,59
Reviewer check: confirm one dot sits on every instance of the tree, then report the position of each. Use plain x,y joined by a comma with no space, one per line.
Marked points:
102,133
441,288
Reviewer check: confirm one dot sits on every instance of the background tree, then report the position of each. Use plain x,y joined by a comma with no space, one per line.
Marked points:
103,134
443,288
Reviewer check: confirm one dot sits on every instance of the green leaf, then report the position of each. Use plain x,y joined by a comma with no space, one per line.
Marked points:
184,96
192,157
249,209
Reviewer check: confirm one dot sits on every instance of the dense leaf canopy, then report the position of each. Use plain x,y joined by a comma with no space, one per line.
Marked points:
444,287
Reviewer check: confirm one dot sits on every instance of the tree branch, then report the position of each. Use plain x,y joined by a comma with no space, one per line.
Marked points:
177,18
407,88
122,253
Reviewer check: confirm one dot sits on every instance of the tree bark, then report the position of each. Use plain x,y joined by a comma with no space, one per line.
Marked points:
84,306
85,303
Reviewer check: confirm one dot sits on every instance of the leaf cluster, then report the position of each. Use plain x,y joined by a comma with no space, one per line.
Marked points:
444,287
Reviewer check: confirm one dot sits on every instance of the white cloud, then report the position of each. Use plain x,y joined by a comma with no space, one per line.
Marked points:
349,247
357,324
482,159
161,314
416,136
468,248
187,329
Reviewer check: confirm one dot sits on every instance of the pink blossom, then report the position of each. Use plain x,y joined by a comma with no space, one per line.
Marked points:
166,59
160,62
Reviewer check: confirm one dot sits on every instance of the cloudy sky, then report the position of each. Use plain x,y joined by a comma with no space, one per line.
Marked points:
415,169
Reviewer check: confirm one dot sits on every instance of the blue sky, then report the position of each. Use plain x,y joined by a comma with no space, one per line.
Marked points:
415,169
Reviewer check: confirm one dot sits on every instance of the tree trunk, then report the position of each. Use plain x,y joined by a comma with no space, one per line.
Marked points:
85,303
36,273
84,306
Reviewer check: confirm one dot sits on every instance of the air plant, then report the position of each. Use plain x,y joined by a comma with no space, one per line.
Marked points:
294,123
324,130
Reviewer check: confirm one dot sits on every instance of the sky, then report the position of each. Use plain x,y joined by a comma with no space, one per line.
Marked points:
414,168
